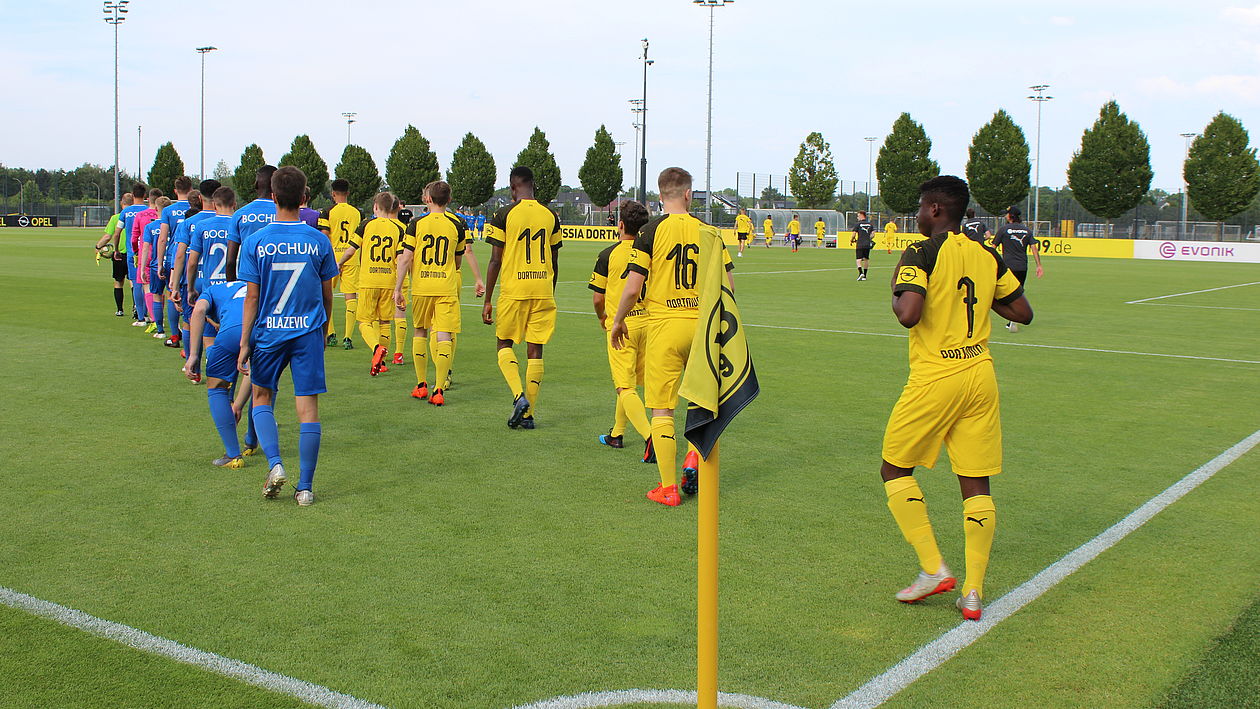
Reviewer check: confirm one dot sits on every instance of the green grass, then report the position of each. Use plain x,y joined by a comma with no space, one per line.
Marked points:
451,562
1228,675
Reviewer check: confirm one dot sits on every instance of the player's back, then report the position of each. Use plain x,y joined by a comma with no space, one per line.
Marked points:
250,218
127,217
149,235
743,224
210,240
341,220
794,227
768,225
527,231
974,228
378,241
667,251
435,239
289,261
612,266
225,303
173,214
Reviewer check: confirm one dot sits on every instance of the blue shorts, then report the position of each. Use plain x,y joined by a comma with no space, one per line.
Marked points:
303,355
221,356
131,267
157,286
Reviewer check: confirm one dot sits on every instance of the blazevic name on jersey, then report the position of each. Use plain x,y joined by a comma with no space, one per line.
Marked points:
667,252
377,242
527,232
960,279
436,240
341,220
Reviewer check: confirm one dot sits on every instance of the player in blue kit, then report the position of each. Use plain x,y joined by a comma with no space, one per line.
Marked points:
169,218
183,238
221,304
480,223
151,262
126,216
250,218
289,267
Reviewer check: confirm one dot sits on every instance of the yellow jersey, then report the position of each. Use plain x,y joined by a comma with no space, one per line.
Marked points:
960,279
435,240
767,226
340,221
527,232
820,228
794,228
378,242
667,253
609,277
743,225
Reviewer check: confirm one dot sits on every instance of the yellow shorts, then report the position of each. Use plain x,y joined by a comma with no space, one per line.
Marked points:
668,345
961,411
626,363
436,313
375,304
530,320
349,279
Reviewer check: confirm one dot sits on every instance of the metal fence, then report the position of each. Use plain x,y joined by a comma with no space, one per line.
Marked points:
81,215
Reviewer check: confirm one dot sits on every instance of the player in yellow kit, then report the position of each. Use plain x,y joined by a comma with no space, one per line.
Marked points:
767,229
743,230
943,289
794,233
433,250
525,241
375,245
608,280
665,258
339,222
820,233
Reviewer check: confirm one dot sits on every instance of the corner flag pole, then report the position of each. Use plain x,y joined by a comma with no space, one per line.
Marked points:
707,584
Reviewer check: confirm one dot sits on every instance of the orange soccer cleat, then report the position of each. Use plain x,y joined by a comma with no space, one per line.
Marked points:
421,391
378,360
398,358
437,399
665,495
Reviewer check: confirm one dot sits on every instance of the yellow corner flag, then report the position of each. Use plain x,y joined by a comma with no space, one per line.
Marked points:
719,382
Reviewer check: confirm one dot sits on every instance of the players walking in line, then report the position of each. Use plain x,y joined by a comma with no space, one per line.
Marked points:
794,233
221,305
117,259
250,218
433,249
289,269
181,273
207,248
1014,239
820,233
170,218
943,290
975,228
608,280
665,257
525,241
743,230
481,226
864,239
148,227
339,222
375,245
767,230
123,240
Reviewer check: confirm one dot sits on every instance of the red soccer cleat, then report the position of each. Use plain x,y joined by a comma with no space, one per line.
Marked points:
692,462
421,391
665,495
437,399
378,360
398,358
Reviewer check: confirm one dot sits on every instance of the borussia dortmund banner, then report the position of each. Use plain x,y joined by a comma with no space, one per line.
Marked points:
719,380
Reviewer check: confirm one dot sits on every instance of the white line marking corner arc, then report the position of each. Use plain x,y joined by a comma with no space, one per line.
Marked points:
623,697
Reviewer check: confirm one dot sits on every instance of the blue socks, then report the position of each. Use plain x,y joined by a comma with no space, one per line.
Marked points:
158,318
308,449
137,299
183,338
224,420
268,434
172,316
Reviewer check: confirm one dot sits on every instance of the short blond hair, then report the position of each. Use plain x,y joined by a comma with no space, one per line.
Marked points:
673,182
162,203
386,202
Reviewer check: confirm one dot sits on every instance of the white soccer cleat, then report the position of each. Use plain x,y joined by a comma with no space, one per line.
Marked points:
304,498
275,480
928,585
970,606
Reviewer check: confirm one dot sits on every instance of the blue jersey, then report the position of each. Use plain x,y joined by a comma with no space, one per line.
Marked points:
183,235
469,222
149,235
126,217
210,240
289,261
251,218
226,303
481,222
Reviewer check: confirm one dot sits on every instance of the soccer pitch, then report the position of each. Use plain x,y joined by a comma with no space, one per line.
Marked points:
452,562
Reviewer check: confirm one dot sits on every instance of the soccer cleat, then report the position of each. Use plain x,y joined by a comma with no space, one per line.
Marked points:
926,584
649,452
378,359
421,391
437,399
118,313
151,327
527,423
226,462
159,335
398,358
970,606
447,384
172,341
138,323
1012,327
519,406
383,369
607,439
347,344
249,450
665,495
690,475
304,498
275,480
332,340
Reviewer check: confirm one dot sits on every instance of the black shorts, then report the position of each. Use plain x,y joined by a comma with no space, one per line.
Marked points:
1021,275
120,267
742,237
863,252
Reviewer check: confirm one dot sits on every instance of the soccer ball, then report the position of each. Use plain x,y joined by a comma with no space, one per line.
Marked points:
106,251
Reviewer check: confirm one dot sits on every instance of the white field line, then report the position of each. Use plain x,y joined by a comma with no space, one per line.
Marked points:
218,664
934,654
656,696
1192,292
1205,307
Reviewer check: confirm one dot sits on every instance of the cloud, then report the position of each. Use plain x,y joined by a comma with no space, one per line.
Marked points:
1062,21
1245,15
1240,86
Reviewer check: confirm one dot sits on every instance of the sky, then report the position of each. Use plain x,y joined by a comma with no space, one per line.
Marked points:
782,69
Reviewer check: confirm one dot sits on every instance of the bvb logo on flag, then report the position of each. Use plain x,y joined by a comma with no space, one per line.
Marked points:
730,365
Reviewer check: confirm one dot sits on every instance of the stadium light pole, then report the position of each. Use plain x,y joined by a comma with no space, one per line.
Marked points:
115,14
1185,188
636,109
1040,98
203,51
139,160
349,116
618,145
870,166
708,143
643,126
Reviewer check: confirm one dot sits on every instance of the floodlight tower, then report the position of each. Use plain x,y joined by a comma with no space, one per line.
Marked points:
1040,97
870,166
617,145
349,116
636,109
203,51
642,109
708,145
115,14
1185,188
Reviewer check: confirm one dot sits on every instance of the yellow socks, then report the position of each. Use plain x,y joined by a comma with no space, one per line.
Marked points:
352,307
383,328
400,333
443,352
666,449
419,350
629,402
619,419
905,501
371,334
533,381
511,370
979,521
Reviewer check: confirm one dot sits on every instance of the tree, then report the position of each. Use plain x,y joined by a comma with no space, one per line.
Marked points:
903,165
167,166
601,174
997,164
223,173
1111,172
813,175
772,194
471,173
247,172
358,168
303,156
537,157
411,165
1221,171
30,194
